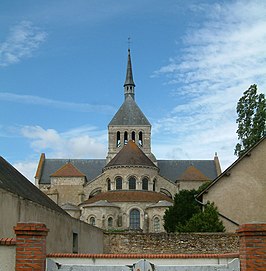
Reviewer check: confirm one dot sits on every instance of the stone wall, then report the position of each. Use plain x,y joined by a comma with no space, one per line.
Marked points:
156,243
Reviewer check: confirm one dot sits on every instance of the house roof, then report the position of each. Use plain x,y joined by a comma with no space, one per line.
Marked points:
68,170
129,196
13,181
129,114
131,155
227,171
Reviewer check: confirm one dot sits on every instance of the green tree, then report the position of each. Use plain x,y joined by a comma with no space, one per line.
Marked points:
185,206
206,221
251,110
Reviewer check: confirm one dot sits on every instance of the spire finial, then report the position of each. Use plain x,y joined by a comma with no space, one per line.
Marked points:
129,83
129,43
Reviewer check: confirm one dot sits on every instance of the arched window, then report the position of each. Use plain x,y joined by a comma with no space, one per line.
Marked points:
132,183
156,224
108,184
154,185
145,184
110,222
125,138
118,183
92,221
118,140
140,139
95,192
134,219
133,136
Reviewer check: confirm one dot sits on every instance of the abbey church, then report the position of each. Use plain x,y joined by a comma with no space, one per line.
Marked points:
130,189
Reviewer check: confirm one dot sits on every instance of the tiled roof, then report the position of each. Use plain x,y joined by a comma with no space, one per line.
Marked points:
128,196
172,169
192,174
13,181
68,170
129,114
131,155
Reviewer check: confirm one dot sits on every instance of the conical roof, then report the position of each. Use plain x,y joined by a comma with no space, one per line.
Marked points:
129,114
131,155
129,77
68,170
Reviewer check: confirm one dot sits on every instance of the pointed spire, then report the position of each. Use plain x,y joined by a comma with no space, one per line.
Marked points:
129,83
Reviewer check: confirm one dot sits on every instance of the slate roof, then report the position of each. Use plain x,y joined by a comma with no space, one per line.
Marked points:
13,181
170,169
89,167
129,114
131,155
173,169
129,196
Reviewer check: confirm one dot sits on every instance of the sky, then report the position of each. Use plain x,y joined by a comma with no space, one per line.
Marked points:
63,66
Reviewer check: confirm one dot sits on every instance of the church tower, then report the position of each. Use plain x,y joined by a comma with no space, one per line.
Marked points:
129,123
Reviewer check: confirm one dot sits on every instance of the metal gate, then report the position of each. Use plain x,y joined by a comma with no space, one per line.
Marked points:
144,265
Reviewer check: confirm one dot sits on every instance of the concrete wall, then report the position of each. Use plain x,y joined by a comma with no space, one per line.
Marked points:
7,258
240,194
61,227
158,243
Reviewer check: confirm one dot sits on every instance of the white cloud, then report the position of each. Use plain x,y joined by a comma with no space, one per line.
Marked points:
21,41
36,100
219,61
27,168
80,143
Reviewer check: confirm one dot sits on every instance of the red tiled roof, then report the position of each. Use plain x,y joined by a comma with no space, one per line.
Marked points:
128,196
68,170
131,155
143,256
192,174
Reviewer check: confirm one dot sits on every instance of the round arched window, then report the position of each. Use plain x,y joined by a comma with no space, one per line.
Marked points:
134,219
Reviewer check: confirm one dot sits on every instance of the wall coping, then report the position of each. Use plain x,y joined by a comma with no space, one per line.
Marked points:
141,256
7,241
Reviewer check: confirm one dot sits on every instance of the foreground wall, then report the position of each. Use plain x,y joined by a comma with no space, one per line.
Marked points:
62,227
154,243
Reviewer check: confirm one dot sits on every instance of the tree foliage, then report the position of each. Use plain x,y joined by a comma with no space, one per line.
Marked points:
206,221
251,110
183,209
186,215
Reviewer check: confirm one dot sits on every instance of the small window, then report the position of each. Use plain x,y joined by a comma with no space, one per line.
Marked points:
133,136
140,139
125,138
92,221
75,243
118,140
132,183
145,184
156,224
118,183
154,185
134,219
110,222
108,184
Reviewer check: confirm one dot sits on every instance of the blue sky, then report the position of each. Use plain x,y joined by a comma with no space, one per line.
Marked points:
63,64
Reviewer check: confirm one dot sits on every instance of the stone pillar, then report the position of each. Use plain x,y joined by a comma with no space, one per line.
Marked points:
30,246
252,246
